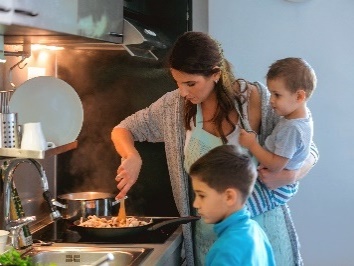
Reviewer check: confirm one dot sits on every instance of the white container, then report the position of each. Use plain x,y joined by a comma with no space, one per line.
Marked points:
3,240
33,137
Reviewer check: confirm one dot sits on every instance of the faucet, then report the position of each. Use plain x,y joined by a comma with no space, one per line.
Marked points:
14,226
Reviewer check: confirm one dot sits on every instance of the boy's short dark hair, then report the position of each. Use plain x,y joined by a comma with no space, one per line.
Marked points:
225,167
296,72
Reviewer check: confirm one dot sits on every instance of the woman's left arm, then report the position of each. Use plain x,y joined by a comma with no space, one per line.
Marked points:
274,180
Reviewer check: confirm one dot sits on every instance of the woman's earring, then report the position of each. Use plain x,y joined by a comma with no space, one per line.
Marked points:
216,81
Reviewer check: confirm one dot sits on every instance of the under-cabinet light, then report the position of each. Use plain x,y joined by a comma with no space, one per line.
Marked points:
33,72
36,47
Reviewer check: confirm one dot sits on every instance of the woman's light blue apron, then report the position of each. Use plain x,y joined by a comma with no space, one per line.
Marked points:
199,144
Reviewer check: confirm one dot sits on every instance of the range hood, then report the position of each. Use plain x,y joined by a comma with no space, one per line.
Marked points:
138,40
143,41
141,27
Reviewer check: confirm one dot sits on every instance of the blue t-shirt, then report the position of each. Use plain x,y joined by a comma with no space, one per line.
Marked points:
241,241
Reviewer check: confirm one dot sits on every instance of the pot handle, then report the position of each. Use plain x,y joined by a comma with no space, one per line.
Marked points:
117,201
58,204
180,220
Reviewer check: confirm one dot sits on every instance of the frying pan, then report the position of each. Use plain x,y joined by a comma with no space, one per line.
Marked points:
114,232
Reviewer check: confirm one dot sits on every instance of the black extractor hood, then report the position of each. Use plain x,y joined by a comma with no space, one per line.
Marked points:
144,28
159,22
142,40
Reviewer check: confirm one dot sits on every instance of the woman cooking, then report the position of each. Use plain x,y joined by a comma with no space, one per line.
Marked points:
207,110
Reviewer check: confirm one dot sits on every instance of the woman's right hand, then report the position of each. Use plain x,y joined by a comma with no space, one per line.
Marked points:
127,173
274,180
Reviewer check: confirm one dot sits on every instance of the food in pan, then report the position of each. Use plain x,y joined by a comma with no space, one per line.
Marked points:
97,222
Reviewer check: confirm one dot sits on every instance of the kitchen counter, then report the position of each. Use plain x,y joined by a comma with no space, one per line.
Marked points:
167,253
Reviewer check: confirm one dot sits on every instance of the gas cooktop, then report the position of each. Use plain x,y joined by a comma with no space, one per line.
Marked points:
62,231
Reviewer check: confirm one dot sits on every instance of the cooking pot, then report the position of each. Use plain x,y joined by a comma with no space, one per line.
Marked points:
83,204
106,234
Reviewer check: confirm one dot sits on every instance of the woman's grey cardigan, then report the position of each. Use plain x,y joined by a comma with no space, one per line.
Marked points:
162,121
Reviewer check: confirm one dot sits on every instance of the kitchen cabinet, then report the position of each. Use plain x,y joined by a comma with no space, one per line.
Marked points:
101,19
55,21
6,11
55,15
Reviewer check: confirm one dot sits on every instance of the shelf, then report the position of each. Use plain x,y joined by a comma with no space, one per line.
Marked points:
41,154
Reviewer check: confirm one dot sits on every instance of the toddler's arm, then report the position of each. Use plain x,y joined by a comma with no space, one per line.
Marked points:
273,162
275,180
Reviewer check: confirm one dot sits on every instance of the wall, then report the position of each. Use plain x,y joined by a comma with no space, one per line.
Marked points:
200,15
254,33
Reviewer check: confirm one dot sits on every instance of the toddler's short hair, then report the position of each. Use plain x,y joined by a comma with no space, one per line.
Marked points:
296,72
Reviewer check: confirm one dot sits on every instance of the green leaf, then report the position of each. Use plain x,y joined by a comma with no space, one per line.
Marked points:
13,257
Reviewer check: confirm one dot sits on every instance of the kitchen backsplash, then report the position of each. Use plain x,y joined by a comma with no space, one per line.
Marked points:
113,85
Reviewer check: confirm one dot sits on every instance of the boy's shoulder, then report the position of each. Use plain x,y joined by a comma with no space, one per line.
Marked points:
248,240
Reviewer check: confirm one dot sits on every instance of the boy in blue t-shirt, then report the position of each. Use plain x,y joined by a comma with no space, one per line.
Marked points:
222,180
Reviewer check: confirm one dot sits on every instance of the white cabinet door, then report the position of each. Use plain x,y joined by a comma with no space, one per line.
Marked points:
6,12
55,15
95,19
101,19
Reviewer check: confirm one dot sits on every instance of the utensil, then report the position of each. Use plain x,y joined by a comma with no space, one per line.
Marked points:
105,258
105,234
9,131
54,103
4,101
122,216
3,240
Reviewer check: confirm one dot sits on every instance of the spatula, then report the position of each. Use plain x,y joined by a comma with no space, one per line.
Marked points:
122,216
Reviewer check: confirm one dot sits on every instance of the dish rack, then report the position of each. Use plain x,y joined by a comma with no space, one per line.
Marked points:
40,154
46,93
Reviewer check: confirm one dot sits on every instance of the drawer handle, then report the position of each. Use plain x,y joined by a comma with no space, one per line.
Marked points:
27,13
4,9
115,34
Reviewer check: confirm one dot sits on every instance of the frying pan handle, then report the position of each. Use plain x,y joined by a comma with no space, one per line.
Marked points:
180,220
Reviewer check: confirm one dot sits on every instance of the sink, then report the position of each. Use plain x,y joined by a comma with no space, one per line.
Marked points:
86,255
